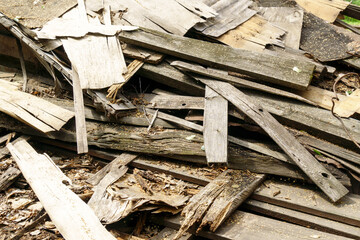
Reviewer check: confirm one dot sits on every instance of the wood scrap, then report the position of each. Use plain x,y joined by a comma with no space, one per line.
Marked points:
36,112
48,183
213,204
8,177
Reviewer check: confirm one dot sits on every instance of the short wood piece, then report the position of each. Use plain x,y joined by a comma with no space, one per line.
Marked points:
72,217
8,177
215,127
287,72
215,202
300,156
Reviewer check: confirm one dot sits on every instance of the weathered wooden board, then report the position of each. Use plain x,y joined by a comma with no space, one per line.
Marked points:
303,219
243,225
80,122
36,112
325,9
253,35
352,10
172,101
309,200
72,217
215,127
311,167
289,19
142,54
322,41
172,16
265,67
33,14
231,14
170,76
236,81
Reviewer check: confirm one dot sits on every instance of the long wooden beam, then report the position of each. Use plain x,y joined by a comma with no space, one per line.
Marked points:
283,71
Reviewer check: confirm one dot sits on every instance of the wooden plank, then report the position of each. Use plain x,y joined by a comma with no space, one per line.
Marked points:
303,159
142,54
243,225
173,102
236,81
36,112
289,19
272,69
352,10
80,122
230,15
253,35
72,217
22,63
170,76
325,9
173,16
8,177
303,219
105,64
215,127
310,200
329,147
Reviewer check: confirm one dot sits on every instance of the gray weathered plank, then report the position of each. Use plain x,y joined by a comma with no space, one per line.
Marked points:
307,199
72,217
288,72
215,127
302,158
8,177
303,219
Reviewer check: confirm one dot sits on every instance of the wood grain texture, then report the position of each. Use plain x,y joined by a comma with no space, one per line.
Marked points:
8,177
247,226
265,67
310,200
311,167
71,216
215,127
303,219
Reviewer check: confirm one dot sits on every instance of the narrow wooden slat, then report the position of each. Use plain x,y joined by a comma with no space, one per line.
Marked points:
71,216
80,123
301,157
215,127
266,67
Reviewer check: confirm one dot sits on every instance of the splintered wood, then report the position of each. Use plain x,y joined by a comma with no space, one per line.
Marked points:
36,112
73,218
215,202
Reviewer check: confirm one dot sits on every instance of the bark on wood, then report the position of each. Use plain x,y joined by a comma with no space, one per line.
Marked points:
277,70
215,202
72,217
303,159
215,127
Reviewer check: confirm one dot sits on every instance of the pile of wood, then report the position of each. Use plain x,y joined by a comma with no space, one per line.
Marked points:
220,119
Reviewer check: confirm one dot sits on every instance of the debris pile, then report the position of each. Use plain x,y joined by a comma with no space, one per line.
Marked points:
173,119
